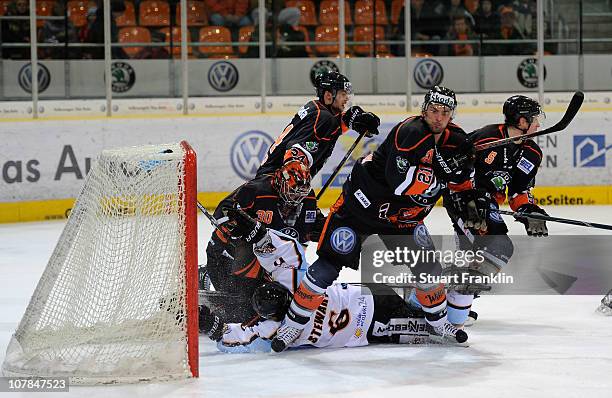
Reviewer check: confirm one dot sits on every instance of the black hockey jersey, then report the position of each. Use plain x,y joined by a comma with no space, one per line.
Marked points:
396,185
311,134
511,166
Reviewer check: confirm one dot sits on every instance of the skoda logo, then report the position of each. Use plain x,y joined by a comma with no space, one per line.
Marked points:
25,78
428,73
343,240
320,67
527,72
223,76
124,77
248,151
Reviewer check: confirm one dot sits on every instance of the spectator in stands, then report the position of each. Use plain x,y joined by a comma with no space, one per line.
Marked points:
427,23
460,30
84,31
285,16
155,52
96,31
454,8
17,31
509,31
57,31
228,13
526,20
487,26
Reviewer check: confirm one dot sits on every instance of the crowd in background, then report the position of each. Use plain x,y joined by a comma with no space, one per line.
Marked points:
431,21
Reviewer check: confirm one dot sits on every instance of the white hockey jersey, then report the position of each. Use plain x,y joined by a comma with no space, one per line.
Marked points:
342,320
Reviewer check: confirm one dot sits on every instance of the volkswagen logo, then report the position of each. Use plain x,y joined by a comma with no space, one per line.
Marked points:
428,73
25,78
343,240
248,151
422,238
320,67
223,76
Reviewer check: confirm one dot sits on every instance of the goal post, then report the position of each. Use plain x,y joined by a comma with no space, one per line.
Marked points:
118,300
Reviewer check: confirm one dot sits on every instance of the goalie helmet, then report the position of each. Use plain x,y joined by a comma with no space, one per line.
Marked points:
293,182
519,106
271,301
440,95
332,81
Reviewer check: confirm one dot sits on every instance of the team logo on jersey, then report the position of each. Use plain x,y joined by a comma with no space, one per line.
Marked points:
428,73
292,232
343,240
223,76
248,152
590,150
525,165
25,78
402,164
320,67
311,216
499,183
124,77
421,236
494,214
527,72
312,146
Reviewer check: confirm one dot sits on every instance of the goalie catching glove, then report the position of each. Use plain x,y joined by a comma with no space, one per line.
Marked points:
534,227
362,122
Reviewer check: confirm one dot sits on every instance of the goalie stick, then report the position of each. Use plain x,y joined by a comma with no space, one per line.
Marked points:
555,219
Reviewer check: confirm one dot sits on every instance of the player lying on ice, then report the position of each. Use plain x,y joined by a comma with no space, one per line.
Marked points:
349,315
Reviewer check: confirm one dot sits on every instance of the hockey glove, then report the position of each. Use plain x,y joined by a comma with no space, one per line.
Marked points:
362,122
454,165
246,228
210,324
534,227
472,207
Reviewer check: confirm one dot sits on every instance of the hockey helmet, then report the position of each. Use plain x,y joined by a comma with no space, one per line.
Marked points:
293,182
519,106
331,81
440,95
271,301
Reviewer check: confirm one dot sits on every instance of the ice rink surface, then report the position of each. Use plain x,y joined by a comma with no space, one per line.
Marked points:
521,346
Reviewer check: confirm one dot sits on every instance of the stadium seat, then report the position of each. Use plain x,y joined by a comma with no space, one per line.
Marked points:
396,10
364,10
328,13
216,34
244,36
154,13
128,17
43,9
196,14
176,41
77,12
134,34
365,33
327,33
308,15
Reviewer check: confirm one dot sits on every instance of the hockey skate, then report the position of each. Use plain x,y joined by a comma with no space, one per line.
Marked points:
285,335
446,333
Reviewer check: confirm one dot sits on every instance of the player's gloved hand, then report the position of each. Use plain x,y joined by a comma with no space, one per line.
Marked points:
362,122
534,227
210,324
456,165
245,227
472,206
317,228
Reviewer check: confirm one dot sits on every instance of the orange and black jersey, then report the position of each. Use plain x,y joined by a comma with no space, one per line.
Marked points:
259,199
311,136
511,166
397,182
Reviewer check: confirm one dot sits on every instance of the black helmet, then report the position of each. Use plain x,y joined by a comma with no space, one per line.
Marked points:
519,106
271,301
440,95
331,81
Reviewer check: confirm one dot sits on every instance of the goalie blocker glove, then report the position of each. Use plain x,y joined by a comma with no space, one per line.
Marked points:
244,227
362,122
534,227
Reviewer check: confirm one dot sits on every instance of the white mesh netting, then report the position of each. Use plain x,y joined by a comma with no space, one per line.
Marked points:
110,306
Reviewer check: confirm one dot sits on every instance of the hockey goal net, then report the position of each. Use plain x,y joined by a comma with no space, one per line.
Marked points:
117,302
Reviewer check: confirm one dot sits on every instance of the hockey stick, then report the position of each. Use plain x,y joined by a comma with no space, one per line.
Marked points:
339,167
570,113
555,219
210,217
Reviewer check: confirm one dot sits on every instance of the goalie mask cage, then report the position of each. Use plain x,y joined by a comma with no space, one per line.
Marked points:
117,302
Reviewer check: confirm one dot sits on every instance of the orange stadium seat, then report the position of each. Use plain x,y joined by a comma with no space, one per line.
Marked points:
328,13
396,10
43,9
365,33
176,41
154,13
196,14
216,34
244,36
128,17
308,15
77,12
364,11
327,33
134,34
